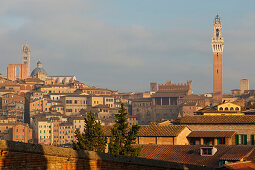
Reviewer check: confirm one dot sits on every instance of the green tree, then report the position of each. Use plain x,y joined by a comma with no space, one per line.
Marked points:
93,138
123,137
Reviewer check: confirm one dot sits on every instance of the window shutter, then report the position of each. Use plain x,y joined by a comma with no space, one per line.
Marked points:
252,139
237,139
218,141
245,139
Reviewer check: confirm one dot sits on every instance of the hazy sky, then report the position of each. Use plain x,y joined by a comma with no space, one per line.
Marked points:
125,44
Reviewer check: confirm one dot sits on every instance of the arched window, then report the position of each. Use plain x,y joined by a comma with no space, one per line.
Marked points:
221,108
226,108
231,108
237,108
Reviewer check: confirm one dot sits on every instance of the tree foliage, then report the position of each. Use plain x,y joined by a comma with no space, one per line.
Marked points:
93,138
123,137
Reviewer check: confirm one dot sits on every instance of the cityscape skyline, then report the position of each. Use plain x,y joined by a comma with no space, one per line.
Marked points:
127,56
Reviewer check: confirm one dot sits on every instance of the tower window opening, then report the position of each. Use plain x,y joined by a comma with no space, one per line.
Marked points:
217,70
217,54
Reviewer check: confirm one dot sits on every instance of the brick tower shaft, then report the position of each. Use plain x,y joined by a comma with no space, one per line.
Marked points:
217,47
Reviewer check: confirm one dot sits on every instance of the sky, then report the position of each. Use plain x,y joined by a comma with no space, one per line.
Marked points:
126,44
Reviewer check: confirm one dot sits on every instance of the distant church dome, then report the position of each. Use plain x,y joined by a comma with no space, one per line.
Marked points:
38,69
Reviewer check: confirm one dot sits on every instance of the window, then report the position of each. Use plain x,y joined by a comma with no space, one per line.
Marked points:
226,108
17,130
221,141
243,139
221,108
237,108
252,139
231,108
17,136
207,151
23,136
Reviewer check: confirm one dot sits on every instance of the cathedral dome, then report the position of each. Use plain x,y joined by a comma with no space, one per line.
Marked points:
38,69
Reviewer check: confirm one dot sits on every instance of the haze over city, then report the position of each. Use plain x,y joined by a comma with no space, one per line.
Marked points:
125,45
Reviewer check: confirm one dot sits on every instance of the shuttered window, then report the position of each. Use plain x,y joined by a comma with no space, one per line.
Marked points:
245,139
252,139
237,139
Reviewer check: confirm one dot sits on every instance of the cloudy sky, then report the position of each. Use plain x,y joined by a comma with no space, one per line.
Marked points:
126,44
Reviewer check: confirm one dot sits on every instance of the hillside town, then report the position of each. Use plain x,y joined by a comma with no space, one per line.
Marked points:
212,129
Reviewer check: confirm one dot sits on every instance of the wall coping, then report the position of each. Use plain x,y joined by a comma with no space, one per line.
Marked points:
46,150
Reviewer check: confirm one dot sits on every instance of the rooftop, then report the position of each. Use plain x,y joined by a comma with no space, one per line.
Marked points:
153,130
221,119
202,134
190,154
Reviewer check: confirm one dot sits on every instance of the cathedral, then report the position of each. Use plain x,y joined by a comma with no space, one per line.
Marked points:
22,71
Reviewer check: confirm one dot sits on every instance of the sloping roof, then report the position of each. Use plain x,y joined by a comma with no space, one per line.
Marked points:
247,165
237,153
221,119
216,134
153,130
190,154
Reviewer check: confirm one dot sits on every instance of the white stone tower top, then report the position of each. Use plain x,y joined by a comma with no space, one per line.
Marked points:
26,55
217,39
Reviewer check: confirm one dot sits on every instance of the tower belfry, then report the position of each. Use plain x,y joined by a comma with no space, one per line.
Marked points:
217,47
26,54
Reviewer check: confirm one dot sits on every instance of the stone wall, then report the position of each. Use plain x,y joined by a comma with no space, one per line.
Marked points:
16,155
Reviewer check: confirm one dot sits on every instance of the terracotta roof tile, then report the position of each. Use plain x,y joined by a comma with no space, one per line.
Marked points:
211,134
238,152
233,119
153,130
248,165
190,154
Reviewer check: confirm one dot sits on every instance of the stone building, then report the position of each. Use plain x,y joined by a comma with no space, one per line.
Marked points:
189,109
142,109
17,72
158,135
11,99
212,138
74,103
21,133
226,108
66,133
163,104
243,125
244,85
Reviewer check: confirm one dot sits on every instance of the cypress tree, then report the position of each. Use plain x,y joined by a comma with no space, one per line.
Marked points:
123,137
93,138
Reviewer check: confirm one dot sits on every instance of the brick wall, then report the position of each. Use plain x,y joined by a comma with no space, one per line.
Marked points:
16,155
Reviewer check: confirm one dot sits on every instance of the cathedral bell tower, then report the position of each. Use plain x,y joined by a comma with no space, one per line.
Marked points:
26,54
217,47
